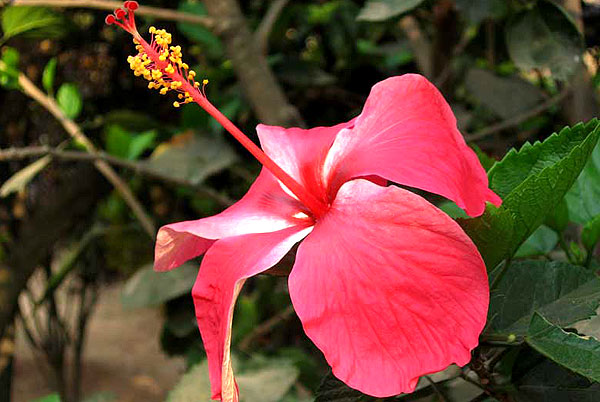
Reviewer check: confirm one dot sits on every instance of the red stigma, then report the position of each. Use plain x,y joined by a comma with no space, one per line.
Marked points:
131,5
124,18
120,13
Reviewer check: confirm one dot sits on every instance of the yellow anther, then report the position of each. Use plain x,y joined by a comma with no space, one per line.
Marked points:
151,85
204,81
191,74
176,104
184,65
164,91
196,84
152,29
156,74
169,69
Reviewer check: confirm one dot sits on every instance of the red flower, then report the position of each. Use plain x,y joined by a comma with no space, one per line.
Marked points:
385,284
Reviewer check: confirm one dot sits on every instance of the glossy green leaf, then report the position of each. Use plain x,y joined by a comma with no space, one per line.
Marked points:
577,353
33,21
591,233
19,180
583,198
532,182
48,75
541,242
148,288
563,292
381,10
545,36
69,100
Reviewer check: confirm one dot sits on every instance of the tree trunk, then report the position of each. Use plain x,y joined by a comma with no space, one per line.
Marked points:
258,81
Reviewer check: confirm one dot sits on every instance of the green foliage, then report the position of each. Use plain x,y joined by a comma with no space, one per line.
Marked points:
128,145
148,288
197,33
475,11
69,100
563,292
541,242
582,198
35,22
578,353
504,96
591,234
333,390
381,10
48,75
191,158
531,182
49,398
545,36
9,68
264,380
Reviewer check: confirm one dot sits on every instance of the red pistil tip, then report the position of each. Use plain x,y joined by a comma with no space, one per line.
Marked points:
120,13
110,19
131,5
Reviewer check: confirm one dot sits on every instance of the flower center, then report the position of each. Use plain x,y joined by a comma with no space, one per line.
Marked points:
162,65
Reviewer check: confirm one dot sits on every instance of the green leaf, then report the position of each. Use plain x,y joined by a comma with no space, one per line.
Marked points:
381,10
532,182
148,288
69,100
48,398
195,32
478,10
486,161
565,293
33,21
558,219
591,234
128,145
268,382
9,68
333,390
452,210
504,96
582,198
550,382
577,353
541,242
191,158
19,180
545,36
48,75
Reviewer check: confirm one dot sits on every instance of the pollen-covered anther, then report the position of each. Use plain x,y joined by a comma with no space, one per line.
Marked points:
158,61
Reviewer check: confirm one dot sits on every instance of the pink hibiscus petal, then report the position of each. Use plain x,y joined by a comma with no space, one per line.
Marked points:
299,152
389,288
407,133
228,263
266,207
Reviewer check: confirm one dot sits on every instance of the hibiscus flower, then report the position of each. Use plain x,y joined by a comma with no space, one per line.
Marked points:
385,284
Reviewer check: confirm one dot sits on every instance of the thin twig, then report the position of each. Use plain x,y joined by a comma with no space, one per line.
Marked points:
77,134
261,35
160,13
265,327
518,119
136,166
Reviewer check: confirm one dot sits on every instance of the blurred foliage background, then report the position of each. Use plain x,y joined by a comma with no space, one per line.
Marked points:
92,163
